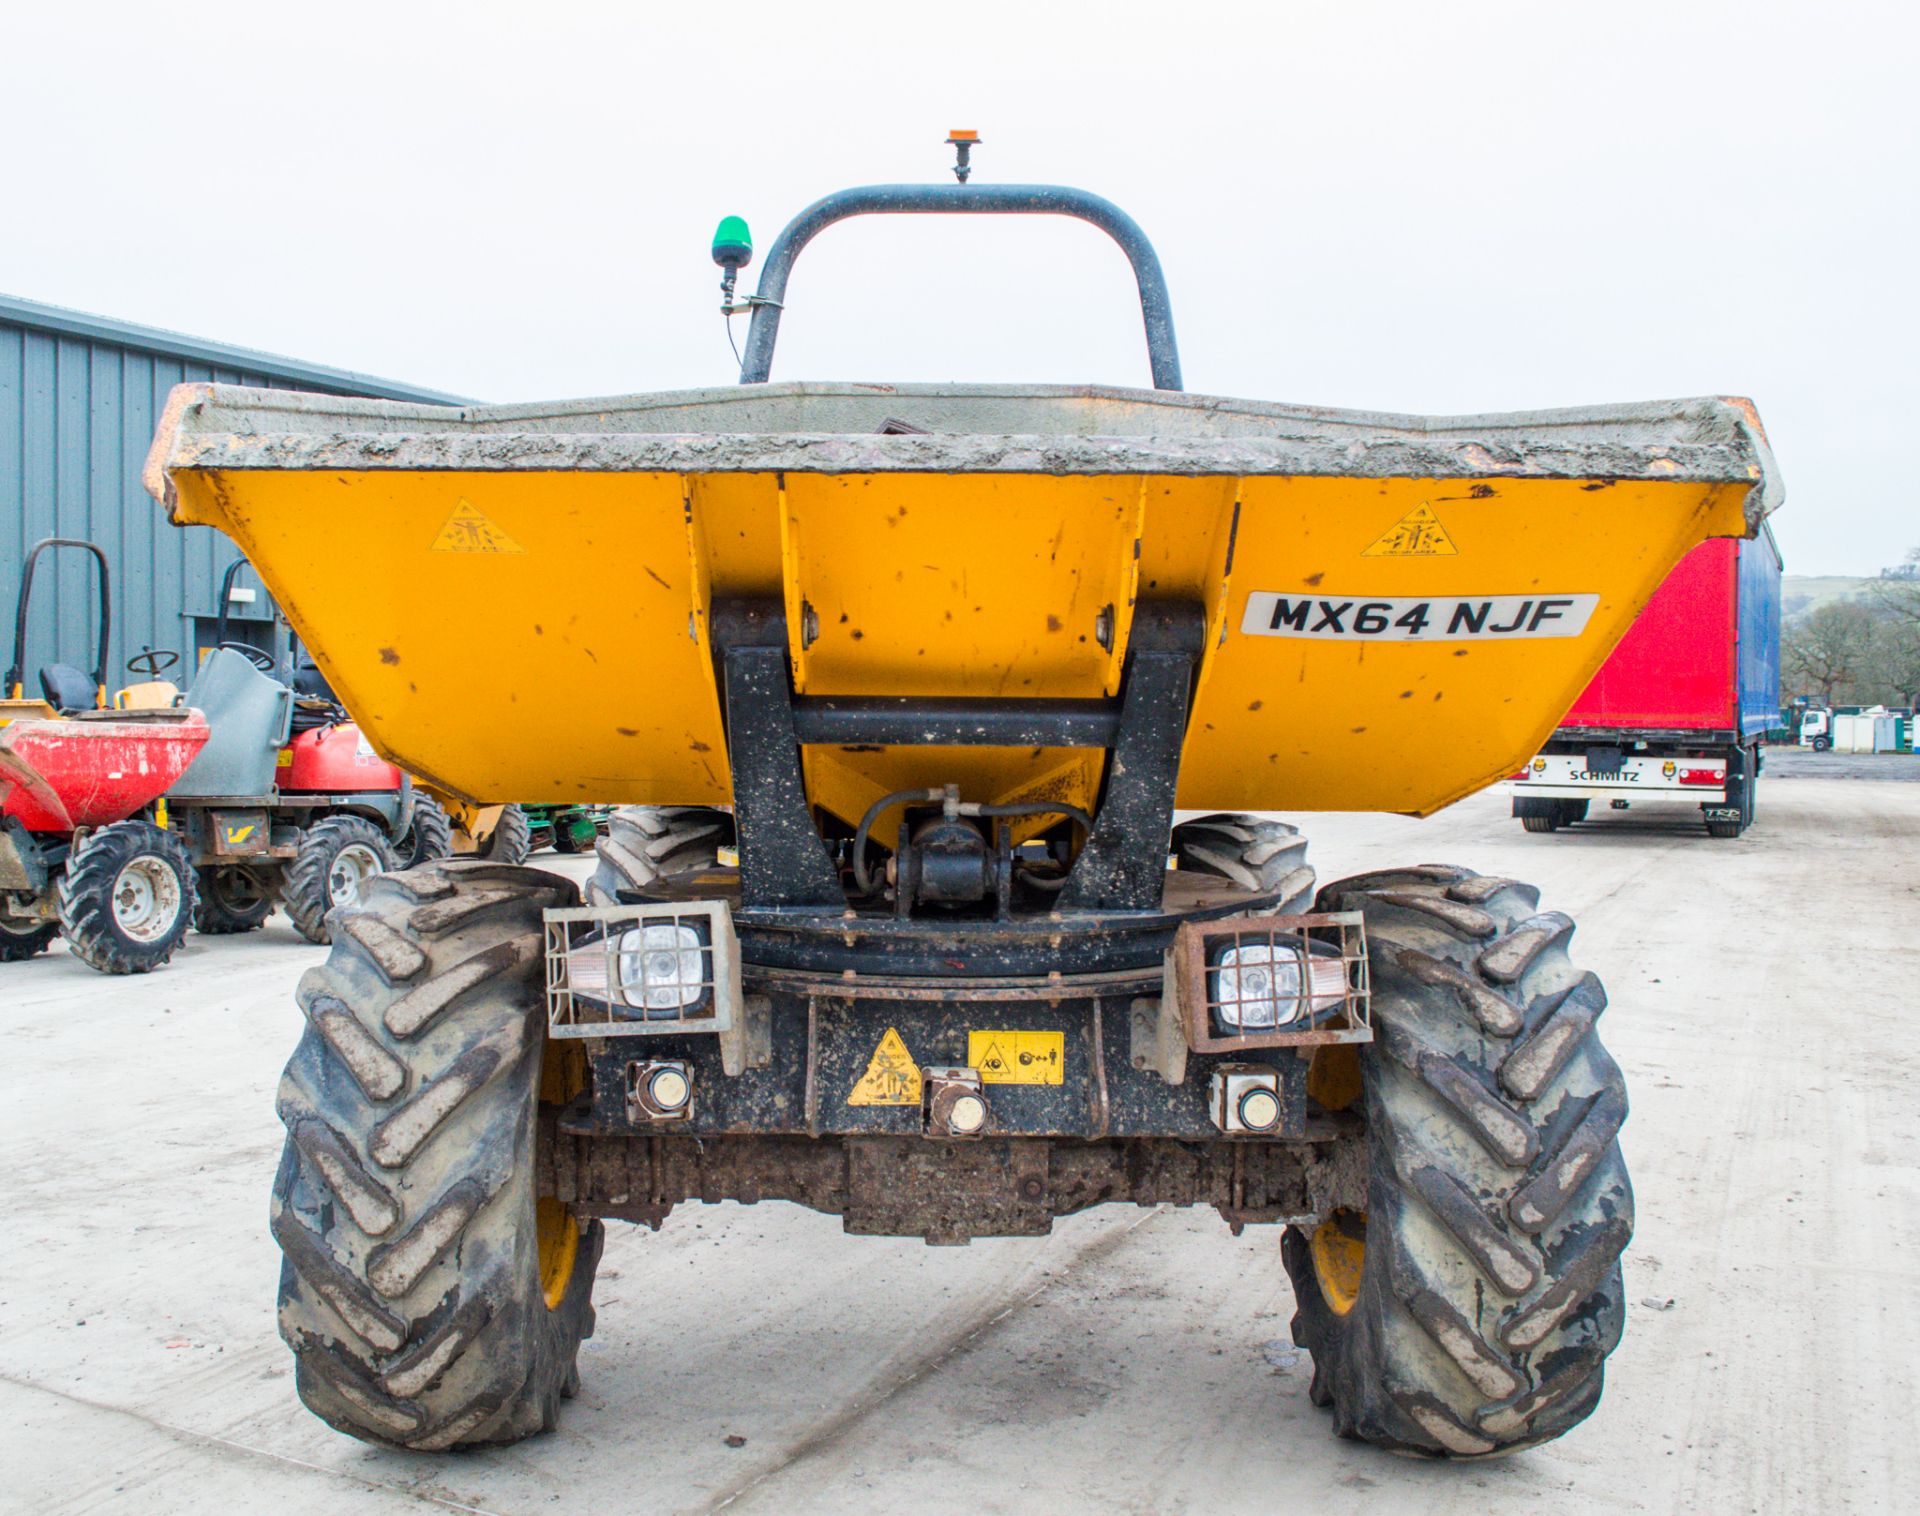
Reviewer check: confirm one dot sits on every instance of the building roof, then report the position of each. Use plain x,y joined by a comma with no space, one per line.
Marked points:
61,321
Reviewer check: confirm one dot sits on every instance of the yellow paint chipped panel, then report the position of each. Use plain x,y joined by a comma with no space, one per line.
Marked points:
574,669
579,666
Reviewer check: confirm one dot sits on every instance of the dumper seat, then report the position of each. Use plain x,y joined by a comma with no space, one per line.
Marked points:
66,689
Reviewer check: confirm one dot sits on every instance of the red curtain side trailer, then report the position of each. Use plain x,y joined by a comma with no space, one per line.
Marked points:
1677,713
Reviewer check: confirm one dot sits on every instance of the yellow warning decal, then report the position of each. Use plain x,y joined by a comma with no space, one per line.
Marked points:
1418,534
469,531
1018,1057
892,1077
239,834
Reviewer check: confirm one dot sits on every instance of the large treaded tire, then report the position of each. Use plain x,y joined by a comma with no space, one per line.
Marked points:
1489,1293
1258,854
511,839
95,933
413,1287
230,899
306,888
427,837
17,944
644,843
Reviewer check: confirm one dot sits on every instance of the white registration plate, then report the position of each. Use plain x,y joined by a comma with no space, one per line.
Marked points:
1468,618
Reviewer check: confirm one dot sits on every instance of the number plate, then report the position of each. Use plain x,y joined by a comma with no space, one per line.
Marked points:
1468,618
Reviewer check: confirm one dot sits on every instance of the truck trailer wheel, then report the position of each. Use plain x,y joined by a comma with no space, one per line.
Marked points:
339,856
431,1297
1744,769
1256,853
230,899
127,898
644,842
511,839
429,836
24,939
1470,1309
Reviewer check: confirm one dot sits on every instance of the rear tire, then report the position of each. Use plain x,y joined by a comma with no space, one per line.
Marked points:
231,899
644,843
337,857
432,1299
511,839
1471,1309
18,943
1259,855
1541,823
127,898
427,837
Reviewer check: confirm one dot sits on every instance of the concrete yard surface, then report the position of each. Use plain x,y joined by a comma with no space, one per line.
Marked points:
1763,1006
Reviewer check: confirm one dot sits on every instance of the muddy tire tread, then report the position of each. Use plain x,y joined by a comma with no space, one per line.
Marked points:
646,843
511,839
428,837
213,917
410,1294
1257,853
85,905
1498,1202
303,887
17,947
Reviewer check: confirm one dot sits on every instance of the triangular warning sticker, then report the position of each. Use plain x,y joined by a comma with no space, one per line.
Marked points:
892,1077
1418,534
469,531
995,1061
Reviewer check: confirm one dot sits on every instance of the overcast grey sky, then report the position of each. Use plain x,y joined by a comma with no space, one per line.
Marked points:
1399,206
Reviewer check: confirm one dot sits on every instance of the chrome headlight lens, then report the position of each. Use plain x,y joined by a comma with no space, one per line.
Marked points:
1265,986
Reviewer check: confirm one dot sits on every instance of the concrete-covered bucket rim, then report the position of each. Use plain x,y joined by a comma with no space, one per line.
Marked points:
949,429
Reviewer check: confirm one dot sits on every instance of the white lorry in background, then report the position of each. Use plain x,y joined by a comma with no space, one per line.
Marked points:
1816,730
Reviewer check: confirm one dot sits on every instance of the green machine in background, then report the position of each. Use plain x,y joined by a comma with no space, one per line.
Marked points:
567,828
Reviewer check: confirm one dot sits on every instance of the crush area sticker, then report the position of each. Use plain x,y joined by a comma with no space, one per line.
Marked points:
1018,1057
1465,618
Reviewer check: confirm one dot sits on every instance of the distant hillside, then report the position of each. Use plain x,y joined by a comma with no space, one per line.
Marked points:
1801,593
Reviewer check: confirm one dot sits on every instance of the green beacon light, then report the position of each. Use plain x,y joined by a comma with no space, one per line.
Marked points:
733,251
732,245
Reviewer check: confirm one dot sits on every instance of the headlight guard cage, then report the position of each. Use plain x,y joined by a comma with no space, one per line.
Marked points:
571,1012
1198,944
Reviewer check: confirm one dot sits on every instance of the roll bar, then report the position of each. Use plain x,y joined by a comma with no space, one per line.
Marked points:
17,674
949,199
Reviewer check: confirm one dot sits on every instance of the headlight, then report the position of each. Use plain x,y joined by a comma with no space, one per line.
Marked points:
1263,986
661,970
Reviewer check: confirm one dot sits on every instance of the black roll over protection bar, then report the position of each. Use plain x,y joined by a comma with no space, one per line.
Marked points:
950,199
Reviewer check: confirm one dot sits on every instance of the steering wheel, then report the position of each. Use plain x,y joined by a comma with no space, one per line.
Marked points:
151,663
263,661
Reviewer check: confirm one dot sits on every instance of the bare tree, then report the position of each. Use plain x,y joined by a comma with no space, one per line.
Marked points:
1829,648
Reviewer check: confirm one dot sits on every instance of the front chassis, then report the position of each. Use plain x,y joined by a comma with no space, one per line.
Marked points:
1120,1110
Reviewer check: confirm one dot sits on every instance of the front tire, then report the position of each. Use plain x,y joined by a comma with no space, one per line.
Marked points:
432,1298
338,857
1470,1309
127,898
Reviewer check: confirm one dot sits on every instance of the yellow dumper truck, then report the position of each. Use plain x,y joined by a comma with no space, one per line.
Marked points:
902,685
